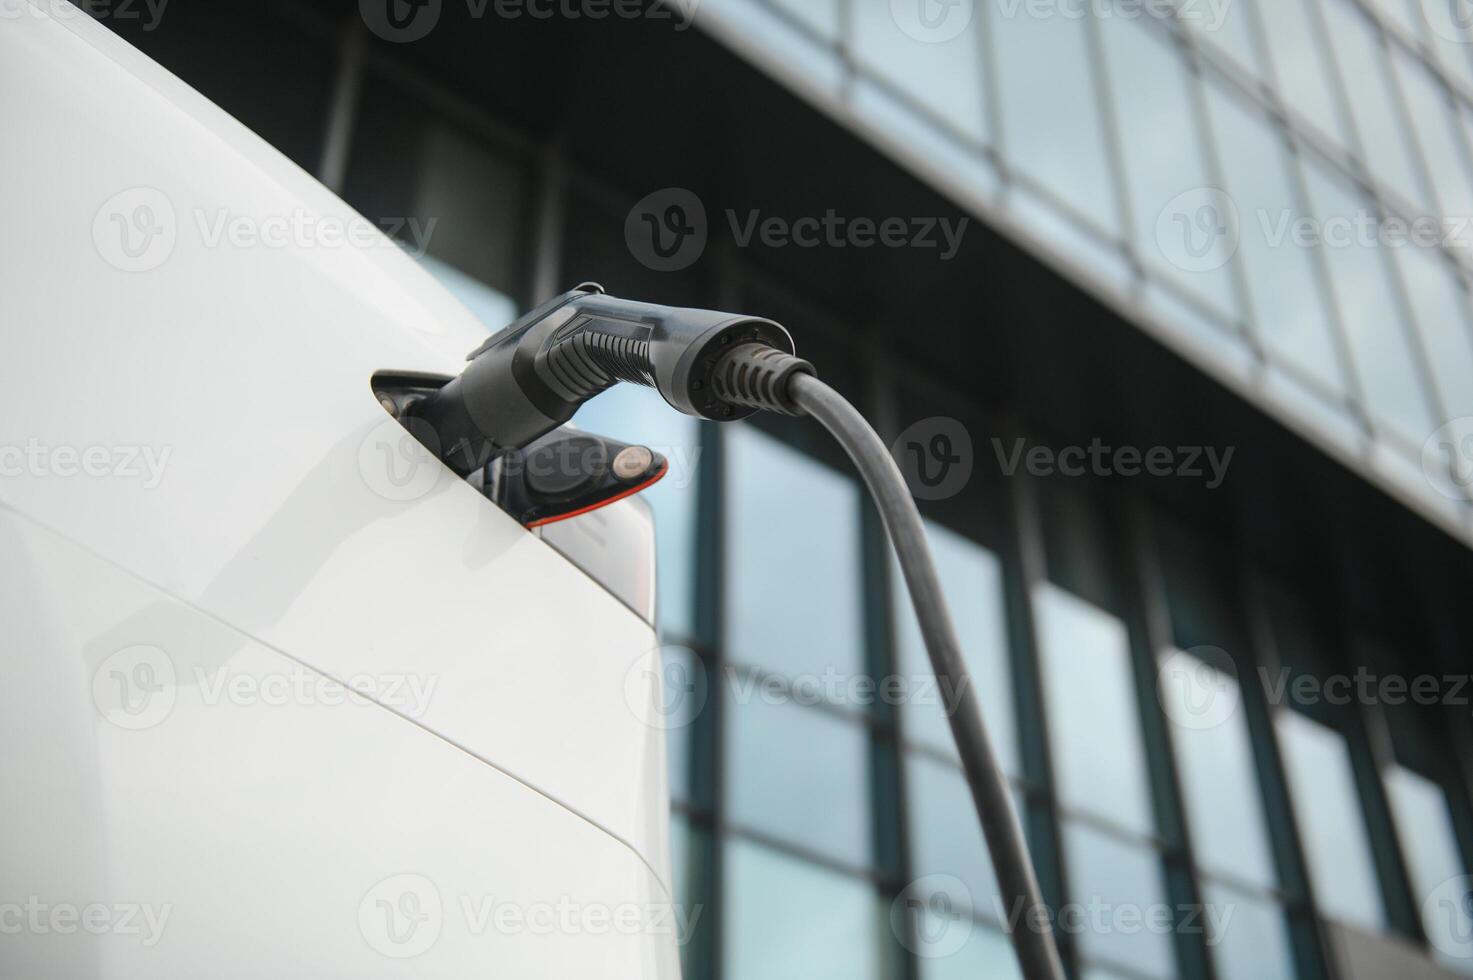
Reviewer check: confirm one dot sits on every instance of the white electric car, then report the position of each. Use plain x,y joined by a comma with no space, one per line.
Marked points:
282,696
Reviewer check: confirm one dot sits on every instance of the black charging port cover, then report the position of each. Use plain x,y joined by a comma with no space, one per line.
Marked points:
569,472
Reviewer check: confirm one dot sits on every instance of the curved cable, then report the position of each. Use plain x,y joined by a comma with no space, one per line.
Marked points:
1031,933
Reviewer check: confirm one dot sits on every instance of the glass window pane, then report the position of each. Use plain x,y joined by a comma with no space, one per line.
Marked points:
1441,309
1363,66
1282,280
798,773
475,197
1052,126
943,76
639,415
1216,767
1093,715
788,920
1440,885
1227,27
972,579
492,307
1110,879
1380,344
821,15
945,836
1248,935
1301,63
988,954
922,141
792,560
1438,134
1161,148
1331,825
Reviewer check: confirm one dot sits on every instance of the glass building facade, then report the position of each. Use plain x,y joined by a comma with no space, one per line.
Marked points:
1199,802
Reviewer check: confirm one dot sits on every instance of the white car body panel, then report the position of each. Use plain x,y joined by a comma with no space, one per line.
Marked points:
261,529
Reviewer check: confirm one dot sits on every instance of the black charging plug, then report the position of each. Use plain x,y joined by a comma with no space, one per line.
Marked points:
531,377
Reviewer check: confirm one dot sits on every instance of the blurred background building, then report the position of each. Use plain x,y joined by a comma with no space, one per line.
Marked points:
1182,233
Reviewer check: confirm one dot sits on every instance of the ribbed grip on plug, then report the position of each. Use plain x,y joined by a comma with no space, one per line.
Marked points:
757,376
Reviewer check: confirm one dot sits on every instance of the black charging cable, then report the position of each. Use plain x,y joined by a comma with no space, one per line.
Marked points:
530,378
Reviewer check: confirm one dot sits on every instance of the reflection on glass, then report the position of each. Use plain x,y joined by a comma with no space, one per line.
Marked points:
1440,307
792,561
1331,825
1248,935
1290,316
988,953
972,579
1363,66
1380,343
1052,125
475,198
1301,63
1216,768
493,308
945,836
1109,880
1436,123
798,773
787,920
639,415
1440,884
1162,153
1093,715
945,77
1229,27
